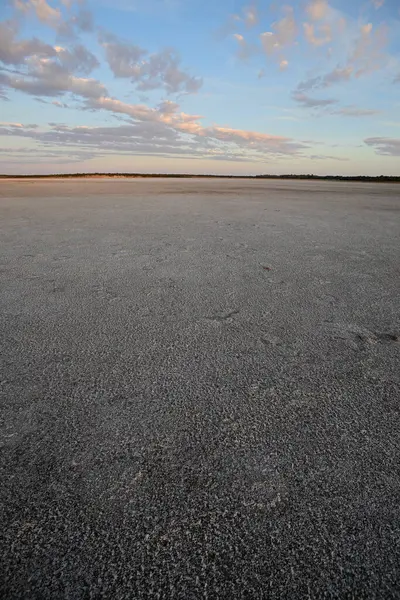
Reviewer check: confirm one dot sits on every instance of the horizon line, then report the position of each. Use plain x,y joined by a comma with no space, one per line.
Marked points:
389,178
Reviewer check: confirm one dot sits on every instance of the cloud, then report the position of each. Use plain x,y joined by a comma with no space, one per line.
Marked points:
248,17
336,76
66,27
14,52
384,146
3,95
77,60
328,157
51,16
45,70
166,118
48,78
81,22
228,28
251,17
267,142
282,36
60,104
309,84
123,59
308,102
43,11
168,107
368,54
54,71
45,155
327,26
283,33
365,57
353,111
317,36
317,9
12,125
148,71
362,46
245,50
152,137
190,124
54,85
378,3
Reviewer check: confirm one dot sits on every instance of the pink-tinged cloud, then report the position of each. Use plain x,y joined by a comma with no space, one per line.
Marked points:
317,10
282,36
41,8
318,36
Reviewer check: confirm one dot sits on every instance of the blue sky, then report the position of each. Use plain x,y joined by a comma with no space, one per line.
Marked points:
199,86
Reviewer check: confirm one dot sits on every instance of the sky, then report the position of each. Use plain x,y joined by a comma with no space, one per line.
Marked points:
200,86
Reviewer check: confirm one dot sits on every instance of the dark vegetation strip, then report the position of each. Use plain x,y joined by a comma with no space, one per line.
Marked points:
380,178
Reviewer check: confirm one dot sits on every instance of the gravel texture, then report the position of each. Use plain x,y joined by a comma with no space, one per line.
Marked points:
200,389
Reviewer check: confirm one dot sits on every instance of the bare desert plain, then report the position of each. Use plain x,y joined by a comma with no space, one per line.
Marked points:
200,389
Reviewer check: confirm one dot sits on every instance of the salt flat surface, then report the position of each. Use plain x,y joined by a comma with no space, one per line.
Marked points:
200,389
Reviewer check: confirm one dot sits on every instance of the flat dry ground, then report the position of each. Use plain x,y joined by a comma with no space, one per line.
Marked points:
200,392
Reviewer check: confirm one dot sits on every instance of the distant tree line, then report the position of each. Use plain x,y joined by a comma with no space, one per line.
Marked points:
379,178
389,178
